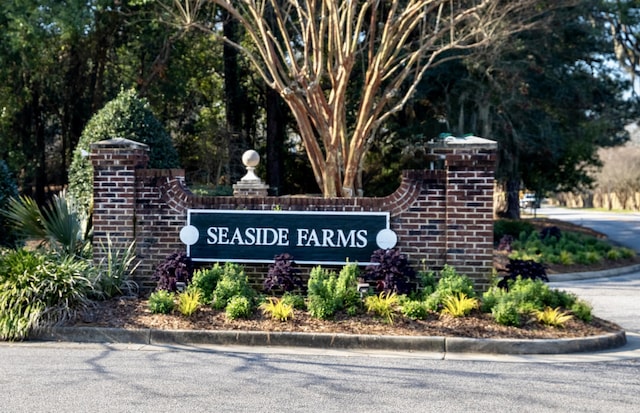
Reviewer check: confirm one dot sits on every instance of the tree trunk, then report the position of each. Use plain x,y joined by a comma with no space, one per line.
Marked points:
513,199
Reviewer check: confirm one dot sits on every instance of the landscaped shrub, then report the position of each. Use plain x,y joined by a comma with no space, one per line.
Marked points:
414,309
282,276
8,190
127,116
526,269
506,313
383,305
552,316
294,300
449,284
205,280
526,297
554,246
114,271
510,227
277,309
38,289
321,298
346,294
582,310
392,272
176,268
59,223
458,305
189,301
162,302
239,306
233,283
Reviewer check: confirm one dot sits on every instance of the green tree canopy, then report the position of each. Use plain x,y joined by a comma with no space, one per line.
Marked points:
128,117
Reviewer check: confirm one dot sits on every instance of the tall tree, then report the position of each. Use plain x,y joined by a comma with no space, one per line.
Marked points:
549,96
309,52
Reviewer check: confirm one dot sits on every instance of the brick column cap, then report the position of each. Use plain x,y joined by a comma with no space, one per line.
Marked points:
119,143
470,142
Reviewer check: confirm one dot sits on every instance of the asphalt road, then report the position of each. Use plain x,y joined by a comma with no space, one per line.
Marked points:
105,378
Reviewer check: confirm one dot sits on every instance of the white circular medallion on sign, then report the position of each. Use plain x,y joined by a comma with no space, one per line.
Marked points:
189,235
386,239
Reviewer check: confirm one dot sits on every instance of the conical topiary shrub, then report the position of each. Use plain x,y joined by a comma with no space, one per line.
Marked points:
129,117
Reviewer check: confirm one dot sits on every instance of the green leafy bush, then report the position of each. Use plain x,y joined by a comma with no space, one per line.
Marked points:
582,310
205,280
115,271
233,283
321,298
414,309
449,283
514,228
39,289
59,223
458,305
277,309
383,305
239,306
162,302
294,300
346,294
524,296
189,301
506,313
127,116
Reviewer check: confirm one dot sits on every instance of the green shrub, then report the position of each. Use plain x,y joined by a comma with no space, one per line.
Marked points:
449,283
414,309
346,294
458,305
506,313
294,300
277,309
127,116
60,223
115,270
382,305
514,228
38,289
233,283
205,280
162,302
238,306
553,317
582,310
189,301
321,298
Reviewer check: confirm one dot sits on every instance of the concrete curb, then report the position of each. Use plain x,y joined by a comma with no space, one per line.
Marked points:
576,276
333,341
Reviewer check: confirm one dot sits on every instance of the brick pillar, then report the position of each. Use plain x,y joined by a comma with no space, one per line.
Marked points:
468,233
114,191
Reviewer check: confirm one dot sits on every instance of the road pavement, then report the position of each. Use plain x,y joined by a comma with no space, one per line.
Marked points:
623,228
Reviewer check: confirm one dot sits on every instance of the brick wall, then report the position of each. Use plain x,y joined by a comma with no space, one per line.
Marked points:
442,215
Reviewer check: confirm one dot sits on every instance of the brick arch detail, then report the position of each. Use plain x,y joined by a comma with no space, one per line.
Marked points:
441,216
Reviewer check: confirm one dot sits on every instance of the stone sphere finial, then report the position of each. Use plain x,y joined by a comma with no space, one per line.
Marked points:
250,158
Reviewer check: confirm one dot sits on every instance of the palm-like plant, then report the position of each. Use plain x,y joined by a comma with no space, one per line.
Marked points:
58,223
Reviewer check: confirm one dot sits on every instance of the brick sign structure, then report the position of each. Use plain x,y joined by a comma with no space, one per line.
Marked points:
441,215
